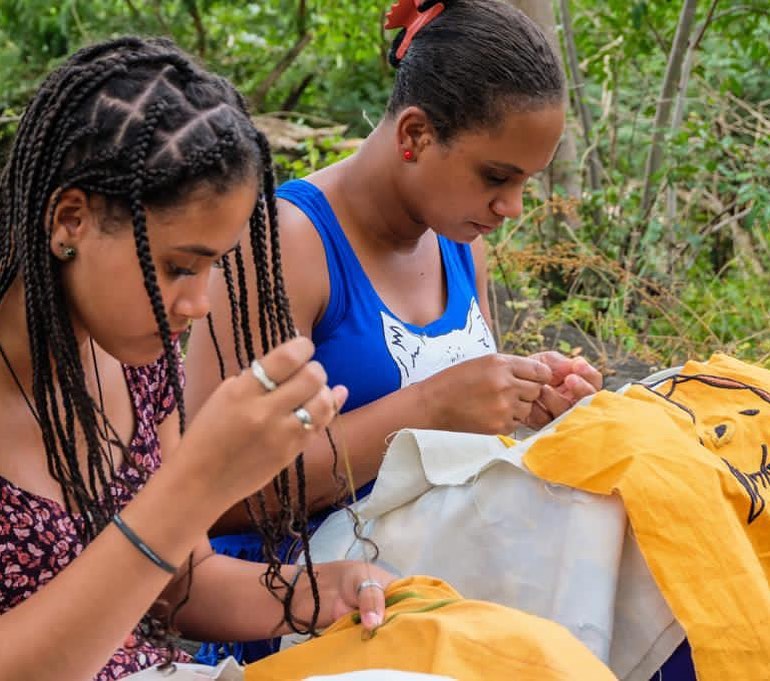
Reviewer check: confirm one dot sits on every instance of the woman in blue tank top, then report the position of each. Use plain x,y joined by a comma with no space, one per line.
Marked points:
384,258
382,252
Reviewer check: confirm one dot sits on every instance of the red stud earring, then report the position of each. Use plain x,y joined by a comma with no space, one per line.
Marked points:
408,155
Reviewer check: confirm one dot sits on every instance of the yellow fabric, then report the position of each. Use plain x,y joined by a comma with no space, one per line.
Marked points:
432,629
694,487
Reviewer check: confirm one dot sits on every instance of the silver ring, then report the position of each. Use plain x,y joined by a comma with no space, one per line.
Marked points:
261,375
304,418
369,584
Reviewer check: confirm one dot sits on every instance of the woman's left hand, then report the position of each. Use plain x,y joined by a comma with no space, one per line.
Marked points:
572,379
346,586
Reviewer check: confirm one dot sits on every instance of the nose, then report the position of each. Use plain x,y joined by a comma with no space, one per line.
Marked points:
193,300
508,203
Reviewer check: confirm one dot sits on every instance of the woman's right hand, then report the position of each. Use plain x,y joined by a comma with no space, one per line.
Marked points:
244,435
490,394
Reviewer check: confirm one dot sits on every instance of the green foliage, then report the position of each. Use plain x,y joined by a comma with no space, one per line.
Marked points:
706,240
687,277
344,59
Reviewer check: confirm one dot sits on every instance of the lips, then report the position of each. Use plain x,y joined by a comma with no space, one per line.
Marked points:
484,229
175,334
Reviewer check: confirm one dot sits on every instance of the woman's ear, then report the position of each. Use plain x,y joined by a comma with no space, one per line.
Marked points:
414,132
72,218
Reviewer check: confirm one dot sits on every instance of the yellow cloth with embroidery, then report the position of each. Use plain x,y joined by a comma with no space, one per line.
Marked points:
691,465
430,628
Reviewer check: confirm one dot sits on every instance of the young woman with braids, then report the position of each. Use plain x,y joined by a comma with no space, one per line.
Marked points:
132,174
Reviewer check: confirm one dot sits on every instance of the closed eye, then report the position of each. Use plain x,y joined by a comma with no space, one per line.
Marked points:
175,271
495,180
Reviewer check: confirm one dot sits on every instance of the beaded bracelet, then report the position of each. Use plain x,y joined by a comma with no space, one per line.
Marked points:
146,550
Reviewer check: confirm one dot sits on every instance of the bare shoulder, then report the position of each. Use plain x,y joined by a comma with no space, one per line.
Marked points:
211,349
304,266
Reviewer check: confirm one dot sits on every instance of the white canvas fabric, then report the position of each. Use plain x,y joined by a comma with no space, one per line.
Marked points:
463,508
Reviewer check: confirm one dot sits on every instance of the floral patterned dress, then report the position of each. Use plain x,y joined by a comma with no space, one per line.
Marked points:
38,538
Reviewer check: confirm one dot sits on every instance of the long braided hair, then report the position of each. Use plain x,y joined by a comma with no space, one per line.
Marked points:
138,122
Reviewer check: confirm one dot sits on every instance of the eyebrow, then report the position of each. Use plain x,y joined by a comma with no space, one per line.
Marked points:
510,168
204,251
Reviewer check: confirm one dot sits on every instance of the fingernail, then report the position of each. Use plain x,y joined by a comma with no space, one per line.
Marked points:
370,620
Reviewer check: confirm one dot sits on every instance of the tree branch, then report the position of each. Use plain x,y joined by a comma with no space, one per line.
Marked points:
290,103
665,102
200,30
134,12
280,68
161,20
302,17
681,96
584,113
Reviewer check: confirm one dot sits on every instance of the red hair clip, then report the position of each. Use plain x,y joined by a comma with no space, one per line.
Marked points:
409,15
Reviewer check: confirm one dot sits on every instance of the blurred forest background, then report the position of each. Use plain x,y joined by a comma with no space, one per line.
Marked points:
650,235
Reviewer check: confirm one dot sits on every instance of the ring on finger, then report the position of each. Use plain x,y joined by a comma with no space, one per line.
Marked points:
261,375
369,584
304,417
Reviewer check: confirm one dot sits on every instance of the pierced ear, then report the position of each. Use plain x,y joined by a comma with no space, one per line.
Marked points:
71,218
414,132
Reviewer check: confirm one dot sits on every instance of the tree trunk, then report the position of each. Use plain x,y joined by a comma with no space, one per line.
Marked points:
565,171
666,101
581,107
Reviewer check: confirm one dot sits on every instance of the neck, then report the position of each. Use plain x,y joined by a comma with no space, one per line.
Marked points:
374,196
14,338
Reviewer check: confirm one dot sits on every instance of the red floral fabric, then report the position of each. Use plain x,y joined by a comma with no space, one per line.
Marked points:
38,538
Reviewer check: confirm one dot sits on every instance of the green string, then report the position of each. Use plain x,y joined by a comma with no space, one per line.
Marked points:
397,598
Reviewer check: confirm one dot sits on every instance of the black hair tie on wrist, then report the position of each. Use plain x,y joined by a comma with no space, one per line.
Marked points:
146,550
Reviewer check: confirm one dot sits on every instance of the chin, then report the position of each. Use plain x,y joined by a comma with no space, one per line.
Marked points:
463,236
135,353
137,359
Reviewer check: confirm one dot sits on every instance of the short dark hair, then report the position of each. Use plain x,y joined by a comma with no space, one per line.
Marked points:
473,63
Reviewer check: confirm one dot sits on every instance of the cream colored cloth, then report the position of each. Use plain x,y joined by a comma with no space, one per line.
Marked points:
463,508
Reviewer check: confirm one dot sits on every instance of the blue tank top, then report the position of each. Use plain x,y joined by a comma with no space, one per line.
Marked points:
364,345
